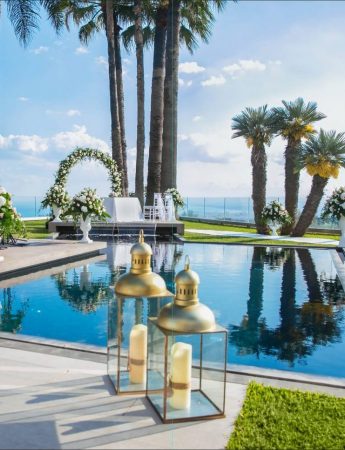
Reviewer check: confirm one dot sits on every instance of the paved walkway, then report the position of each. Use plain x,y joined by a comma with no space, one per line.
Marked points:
54,402
45,251
255,236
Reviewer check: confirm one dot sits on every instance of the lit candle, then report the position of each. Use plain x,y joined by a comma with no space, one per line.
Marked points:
138,354
181,375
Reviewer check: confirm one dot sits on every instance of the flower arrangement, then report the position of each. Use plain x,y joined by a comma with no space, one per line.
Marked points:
176,196
11,223
275,212
87,203
81,154
56,195
334,207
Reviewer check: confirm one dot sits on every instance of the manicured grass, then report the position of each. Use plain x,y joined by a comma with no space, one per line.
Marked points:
208,226
246,240
36,229
280,419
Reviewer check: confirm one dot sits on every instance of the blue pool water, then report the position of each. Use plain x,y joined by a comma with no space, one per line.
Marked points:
283,308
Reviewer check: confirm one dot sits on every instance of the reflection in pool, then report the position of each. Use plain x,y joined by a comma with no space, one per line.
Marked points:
284,308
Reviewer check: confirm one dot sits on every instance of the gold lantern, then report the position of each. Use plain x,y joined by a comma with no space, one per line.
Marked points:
138,294
187,354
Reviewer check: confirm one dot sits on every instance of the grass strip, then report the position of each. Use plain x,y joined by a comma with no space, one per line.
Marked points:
282,419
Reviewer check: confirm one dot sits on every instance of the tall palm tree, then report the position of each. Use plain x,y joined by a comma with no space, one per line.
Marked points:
255,125
157,102
91,17
187,20
321,156
294,122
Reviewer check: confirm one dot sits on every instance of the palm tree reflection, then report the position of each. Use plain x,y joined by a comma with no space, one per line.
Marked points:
303,327
10,319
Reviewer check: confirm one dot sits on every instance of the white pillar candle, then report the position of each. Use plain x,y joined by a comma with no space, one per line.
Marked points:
138,354
181,375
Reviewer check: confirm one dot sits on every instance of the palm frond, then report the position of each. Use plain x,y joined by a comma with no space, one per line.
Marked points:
87,31
24,16
255,125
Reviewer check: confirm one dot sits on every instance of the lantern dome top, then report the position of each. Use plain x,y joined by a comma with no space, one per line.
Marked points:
141,249
141,281
186,314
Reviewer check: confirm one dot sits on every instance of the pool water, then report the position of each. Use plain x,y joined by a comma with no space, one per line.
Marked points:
283,308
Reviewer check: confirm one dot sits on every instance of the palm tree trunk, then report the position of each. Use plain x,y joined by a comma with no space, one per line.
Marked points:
157,105
259,174
291,183
139,46
121,103
108,10
169,152
311,205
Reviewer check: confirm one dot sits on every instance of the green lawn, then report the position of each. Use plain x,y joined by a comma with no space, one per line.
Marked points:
36,229
197,237
280,419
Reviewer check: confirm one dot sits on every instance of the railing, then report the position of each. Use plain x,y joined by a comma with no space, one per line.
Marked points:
235,209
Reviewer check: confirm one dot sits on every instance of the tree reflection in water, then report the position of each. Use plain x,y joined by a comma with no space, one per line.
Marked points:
81,292
302,328
11,319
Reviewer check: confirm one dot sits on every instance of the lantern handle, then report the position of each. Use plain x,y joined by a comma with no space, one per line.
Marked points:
141,236
187,263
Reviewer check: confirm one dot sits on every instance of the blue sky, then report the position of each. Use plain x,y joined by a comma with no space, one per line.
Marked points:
54,96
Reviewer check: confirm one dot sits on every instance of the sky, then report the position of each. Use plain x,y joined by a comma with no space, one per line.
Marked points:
54,96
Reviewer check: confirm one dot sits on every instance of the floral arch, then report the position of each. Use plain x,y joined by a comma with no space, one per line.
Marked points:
82,154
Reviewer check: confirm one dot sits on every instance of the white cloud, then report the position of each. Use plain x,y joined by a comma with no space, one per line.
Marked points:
24,143
73,112
214,81
78,137
39,50
81,51
243,66
197,118
184,83
190,67
101,60
23,99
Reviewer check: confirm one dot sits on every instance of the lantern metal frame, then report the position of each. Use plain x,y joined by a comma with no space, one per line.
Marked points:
165,390
119,300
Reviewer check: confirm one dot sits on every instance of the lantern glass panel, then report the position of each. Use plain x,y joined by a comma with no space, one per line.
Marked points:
189,396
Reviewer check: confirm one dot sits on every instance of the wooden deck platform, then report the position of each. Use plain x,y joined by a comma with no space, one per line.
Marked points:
160,229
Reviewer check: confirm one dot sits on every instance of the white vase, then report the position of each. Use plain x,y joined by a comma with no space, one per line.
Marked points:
274,227
342,231
85,226
56,211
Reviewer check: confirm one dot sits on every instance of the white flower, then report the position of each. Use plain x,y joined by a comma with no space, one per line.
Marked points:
84,209
2,190
2,201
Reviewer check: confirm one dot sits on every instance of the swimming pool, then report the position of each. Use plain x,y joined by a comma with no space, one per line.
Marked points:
284,308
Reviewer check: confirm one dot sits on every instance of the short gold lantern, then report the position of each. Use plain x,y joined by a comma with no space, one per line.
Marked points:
187,353
138,294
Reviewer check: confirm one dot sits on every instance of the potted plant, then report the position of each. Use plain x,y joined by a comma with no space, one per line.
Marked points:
56,198
84,206
11,224
176,198
275,216
334,209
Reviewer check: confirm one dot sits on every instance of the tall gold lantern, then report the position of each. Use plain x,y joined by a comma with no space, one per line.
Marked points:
187,354
138,294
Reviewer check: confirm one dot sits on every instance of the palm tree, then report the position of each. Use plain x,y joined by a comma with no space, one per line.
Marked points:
255,125
187,20
294,122
92,18
157,103
321,156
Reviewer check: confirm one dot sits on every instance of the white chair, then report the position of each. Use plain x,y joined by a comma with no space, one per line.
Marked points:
169,208
159,207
